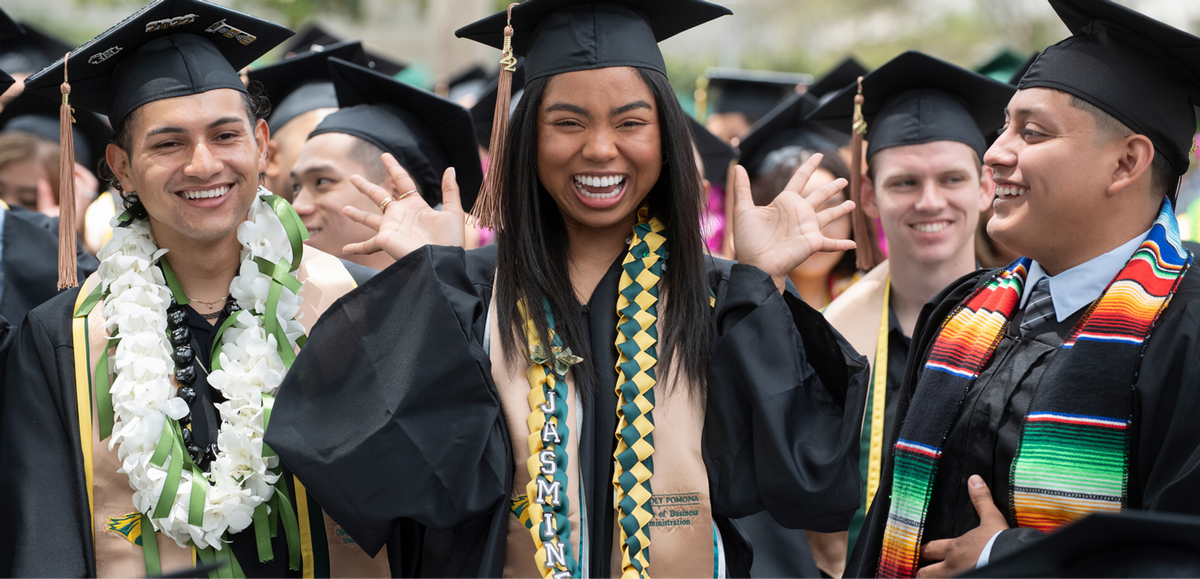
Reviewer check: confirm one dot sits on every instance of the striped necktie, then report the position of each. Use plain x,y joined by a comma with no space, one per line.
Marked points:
1039,309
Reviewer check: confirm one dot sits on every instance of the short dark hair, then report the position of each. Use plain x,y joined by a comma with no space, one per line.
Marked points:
1108,128
367,154
257,108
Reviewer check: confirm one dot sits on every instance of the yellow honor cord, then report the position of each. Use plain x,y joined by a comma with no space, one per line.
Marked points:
879,372
83,401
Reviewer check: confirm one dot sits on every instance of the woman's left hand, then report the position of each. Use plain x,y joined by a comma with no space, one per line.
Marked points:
779,237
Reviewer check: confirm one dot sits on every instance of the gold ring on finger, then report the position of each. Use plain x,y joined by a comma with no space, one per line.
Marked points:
405,196
384,204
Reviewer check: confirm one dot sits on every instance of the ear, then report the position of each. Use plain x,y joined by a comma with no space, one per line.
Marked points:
118,161
987,189
262,136
1135,154
272,170
870,205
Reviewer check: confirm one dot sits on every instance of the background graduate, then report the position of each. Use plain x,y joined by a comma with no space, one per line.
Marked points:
1064,384
479,393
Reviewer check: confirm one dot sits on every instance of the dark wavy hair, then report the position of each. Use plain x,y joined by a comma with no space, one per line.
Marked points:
534,248
257,108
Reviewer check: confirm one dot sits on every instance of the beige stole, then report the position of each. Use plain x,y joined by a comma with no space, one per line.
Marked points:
855,314
115,524
681,532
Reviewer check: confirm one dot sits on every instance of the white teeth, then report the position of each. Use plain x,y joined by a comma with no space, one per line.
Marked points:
1005,191
582,181
207,194
931,227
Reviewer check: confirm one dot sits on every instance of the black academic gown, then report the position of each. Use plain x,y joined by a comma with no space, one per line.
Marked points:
1165,464
391,419
43,493
29,262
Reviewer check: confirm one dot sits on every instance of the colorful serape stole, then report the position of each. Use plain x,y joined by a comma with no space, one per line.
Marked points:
1073,456
1074,453
637,336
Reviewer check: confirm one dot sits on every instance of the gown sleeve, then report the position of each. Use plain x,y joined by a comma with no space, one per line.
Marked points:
43,496
389,411
785,405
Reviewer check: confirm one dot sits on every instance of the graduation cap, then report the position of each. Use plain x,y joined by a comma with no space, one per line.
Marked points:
750,92
315,39
426,133
916,98
1024,68
167,49
1129,544
483,112
787,126
29,113
1144,73
472,80
715,155
6,81
301,83
1002,65
29,51
557,36
842,76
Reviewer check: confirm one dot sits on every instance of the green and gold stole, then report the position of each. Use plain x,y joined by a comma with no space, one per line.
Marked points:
1073,457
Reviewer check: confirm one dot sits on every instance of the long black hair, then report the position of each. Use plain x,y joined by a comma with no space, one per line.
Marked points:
534,248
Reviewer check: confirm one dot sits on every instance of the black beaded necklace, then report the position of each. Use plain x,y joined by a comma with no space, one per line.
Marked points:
185,373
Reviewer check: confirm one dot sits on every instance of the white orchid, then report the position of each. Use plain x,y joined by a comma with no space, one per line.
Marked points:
143,395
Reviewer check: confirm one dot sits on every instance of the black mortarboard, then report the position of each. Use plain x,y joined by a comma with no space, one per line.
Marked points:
1129,544
170,48
426,133
715,154
8,25
840,77
916,98
471,80
751,92
483,113
1024,68
33,114
29,51
5,81
786,126
301,83
557,36
1002,65
314,39
1144,73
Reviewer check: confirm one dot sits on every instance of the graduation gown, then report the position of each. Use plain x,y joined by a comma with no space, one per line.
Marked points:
983,439
29,262
392,419
43,490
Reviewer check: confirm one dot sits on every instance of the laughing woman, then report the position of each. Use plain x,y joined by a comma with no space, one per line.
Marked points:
592,395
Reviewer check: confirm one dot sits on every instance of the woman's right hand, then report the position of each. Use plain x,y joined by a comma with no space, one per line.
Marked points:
410,223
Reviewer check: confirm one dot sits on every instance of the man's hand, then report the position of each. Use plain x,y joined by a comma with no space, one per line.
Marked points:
951,557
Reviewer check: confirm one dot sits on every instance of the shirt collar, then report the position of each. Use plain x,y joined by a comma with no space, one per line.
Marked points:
1079,286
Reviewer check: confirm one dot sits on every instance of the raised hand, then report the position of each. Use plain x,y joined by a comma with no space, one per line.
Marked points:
407,223
779,237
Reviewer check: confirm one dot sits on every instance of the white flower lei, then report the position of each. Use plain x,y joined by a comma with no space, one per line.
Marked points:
143,397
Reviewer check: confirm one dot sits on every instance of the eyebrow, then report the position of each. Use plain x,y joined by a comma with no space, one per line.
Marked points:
175,130
576,109
316,169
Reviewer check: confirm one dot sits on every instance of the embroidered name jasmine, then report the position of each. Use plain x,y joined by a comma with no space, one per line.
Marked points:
220,27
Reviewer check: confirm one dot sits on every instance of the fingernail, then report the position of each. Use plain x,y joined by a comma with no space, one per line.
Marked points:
453,173
975,481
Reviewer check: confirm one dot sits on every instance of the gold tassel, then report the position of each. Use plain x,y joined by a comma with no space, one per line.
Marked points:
867,254
66,188
487,208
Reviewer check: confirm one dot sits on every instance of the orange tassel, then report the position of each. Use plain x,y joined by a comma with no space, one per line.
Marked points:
487,209
867,253
67,277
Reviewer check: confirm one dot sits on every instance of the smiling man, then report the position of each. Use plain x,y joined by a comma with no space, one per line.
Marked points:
132,430
425,133
1064,384
926,122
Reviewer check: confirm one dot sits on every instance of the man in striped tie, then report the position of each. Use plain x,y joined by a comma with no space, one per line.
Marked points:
1064,384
